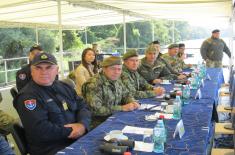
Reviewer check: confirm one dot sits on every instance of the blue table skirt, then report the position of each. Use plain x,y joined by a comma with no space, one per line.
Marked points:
197,116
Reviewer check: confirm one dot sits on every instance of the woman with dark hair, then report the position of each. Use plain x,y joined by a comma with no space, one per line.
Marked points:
86,69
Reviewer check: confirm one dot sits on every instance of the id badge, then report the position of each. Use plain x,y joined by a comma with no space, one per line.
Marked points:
65,106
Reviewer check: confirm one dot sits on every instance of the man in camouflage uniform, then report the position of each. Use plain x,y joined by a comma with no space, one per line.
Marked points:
105,92
212,50
171,57
133,81
156,44
6,121
152,70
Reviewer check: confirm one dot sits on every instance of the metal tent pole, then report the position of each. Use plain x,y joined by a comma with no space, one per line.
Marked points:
86,35
60,39
124,33
152,24
36,33
173,31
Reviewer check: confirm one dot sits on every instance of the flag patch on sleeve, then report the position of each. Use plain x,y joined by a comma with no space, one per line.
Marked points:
30,104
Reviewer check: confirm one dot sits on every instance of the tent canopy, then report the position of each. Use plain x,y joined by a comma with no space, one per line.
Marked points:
83,13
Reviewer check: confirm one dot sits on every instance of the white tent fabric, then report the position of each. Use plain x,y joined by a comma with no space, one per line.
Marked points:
82,13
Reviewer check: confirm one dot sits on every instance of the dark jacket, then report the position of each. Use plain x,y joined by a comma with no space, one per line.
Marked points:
44,110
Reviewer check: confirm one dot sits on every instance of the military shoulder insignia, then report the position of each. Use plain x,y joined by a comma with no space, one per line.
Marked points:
30,104
22,76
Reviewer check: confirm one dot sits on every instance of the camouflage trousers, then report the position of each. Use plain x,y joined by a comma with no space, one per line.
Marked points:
6,122
213,64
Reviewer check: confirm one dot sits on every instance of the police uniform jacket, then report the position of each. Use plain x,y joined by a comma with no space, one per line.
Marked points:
44,110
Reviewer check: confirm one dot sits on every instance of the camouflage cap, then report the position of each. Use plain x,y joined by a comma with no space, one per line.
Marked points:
130,53
173,46
151,49
44,58
110,61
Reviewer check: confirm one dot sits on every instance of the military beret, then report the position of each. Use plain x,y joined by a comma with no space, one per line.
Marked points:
110,61
173,46
130,53
156,42
44,58
151,49
181,45
215,31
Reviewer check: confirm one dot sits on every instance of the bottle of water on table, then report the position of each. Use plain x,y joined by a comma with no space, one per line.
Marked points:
159,137
177,108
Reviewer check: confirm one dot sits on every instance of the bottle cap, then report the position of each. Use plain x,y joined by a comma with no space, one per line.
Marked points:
161,117
127,153
179,93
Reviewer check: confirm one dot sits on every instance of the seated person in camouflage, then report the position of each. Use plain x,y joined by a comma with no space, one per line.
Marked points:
156,44
171,57
152,70
182,55
6,121
133,81
105,92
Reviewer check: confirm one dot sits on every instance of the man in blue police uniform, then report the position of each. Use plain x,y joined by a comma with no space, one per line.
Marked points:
23,76
52,114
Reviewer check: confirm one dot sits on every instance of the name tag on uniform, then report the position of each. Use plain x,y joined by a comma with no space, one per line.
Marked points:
65,106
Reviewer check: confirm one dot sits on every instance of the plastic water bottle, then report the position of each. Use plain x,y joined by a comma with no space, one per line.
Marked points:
177,108
162,124
159,137
186,92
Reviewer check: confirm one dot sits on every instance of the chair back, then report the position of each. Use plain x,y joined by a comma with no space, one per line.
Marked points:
69,82
13,92
18,134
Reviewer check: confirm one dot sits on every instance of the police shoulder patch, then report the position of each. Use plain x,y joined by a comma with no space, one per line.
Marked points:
30,104
22,76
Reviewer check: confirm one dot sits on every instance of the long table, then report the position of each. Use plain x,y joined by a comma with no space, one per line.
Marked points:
197,118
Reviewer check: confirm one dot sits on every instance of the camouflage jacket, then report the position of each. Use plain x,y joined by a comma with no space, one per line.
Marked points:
213,48
172,71
136,84
105,96
157,71
176,63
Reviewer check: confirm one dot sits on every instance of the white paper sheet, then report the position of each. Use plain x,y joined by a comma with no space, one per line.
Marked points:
137,130
146,106
156,108
145,147
166,116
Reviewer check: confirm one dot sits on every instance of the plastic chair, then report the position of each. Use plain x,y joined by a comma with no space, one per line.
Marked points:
18,134
69,82
13,92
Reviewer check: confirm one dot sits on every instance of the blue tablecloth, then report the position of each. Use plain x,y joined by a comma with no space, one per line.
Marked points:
196,116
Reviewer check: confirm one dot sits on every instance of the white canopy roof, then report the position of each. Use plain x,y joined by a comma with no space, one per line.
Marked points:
82,13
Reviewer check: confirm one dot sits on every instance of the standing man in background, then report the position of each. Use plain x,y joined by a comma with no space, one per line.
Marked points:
212,50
